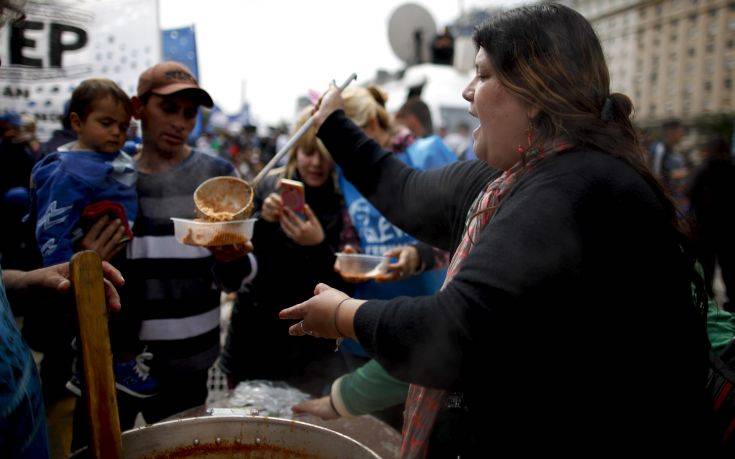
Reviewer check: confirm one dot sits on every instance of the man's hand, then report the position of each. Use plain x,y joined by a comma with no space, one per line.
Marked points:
232,252
104,238
55,279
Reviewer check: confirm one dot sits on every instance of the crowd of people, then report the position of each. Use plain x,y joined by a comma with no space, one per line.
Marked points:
551,277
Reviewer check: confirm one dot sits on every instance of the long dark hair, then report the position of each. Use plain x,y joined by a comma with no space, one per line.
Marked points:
549,55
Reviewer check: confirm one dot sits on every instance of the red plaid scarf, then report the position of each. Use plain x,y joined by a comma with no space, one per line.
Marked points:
423,403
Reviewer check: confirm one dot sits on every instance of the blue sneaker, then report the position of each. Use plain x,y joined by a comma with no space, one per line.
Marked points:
133,377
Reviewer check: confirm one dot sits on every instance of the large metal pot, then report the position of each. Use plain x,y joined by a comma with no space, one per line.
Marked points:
238,437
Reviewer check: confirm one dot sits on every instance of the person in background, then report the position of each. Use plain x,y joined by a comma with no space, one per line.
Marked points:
61,136
293,255
460,142
416,116
567,322
17,247
712,197
668,164
28,135
428,150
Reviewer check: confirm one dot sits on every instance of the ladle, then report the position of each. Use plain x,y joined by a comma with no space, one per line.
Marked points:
214,185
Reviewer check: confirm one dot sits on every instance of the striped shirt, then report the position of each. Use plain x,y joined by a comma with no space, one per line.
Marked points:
170,285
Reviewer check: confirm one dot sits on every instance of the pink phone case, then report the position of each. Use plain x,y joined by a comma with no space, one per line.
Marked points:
292,194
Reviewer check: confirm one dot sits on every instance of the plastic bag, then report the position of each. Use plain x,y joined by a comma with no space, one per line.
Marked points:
264,398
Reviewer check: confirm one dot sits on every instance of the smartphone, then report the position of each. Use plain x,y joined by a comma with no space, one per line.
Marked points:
292,195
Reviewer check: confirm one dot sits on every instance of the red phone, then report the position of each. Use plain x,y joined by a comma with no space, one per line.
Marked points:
292,195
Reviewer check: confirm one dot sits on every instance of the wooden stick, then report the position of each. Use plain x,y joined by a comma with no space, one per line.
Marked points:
98,379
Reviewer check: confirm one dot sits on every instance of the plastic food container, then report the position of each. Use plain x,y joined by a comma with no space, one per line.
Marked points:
356,267
212,234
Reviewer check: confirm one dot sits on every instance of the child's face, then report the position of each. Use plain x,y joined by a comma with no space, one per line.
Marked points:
104,128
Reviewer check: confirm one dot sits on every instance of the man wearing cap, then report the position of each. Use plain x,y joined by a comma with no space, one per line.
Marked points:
172,289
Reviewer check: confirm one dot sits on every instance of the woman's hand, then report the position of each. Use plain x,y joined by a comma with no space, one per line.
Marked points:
302,232
330,102
272,208
408,263
318,317
319,407
104,238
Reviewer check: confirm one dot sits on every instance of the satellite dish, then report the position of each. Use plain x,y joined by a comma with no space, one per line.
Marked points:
411,28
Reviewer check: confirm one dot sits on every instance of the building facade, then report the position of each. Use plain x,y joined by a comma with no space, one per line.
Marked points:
673,58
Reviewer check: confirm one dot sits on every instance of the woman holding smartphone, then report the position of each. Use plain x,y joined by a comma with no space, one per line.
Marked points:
296,243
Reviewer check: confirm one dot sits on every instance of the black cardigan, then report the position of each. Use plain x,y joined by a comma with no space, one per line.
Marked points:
570,326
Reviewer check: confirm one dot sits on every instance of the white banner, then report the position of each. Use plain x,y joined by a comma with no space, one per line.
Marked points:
64,42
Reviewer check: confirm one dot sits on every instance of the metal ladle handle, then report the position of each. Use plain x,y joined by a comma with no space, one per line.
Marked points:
295,138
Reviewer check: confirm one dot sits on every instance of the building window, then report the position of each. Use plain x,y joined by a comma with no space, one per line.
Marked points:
673,37
710,48
728,83
730,43
659,9
654,77
652,109
712,13
708,86
693,17
691,52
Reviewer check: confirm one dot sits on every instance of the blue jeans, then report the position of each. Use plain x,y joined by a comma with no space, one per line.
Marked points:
23,433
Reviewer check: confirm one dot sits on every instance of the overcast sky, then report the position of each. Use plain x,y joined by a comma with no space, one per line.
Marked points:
281,48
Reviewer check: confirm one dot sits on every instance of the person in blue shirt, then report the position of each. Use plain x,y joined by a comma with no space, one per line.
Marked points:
81,182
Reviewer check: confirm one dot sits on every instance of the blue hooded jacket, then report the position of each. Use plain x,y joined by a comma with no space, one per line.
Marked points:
64,183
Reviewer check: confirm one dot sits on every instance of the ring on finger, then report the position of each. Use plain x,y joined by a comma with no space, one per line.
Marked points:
308,332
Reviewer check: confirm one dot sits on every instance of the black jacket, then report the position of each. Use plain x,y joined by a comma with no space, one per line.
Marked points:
258,345
570,327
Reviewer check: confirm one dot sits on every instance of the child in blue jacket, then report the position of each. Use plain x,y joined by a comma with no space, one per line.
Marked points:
83,181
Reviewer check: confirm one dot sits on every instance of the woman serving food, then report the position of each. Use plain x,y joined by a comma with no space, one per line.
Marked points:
566,322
